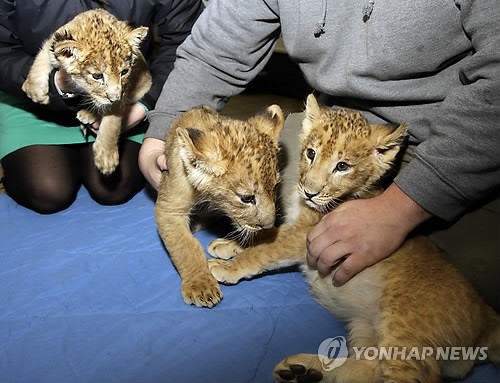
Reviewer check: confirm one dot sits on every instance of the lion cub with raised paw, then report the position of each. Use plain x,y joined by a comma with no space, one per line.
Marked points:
232,165
414,298
104,64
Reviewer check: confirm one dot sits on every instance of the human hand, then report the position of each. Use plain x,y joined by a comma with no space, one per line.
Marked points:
63,82
152,160
360,233
132,116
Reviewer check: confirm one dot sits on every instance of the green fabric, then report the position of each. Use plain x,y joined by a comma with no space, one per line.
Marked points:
20,128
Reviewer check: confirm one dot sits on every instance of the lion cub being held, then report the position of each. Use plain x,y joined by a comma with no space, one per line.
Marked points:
413,299
101,57
232,165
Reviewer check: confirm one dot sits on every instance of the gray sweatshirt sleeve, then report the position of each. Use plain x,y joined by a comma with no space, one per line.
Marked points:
229,45
459,164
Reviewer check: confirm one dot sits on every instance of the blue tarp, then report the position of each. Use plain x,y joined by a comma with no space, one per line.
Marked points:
90,295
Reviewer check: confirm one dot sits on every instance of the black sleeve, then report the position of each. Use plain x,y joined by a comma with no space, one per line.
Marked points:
15,62
174,20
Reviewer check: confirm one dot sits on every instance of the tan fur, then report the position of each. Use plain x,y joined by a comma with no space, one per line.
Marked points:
228,163
102,58
412,299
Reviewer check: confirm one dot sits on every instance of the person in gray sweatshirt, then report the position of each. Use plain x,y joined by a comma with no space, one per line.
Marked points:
432,63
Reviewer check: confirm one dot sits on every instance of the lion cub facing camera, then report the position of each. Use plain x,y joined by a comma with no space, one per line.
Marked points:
232,165
101,57
412,300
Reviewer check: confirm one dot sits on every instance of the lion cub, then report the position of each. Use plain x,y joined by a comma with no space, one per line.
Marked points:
412,299
101,57
232,165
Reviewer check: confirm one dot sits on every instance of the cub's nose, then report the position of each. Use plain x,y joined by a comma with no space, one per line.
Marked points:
112,97
114,94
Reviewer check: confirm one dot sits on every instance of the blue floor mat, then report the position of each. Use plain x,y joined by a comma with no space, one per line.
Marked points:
90,295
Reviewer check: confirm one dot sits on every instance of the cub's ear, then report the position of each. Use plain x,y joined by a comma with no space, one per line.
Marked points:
387,140
312,114
136,36
191,140
270,122
64,45
199,153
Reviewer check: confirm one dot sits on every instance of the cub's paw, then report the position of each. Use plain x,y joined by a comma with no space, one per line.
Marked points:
37,91
223,248
201,290
299,368
226,272
106,157
86,117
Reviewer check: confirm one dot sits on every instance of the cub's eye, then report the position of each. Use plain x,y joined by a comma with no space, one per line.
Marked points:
342,167
97,76
124,72
247,198
310,153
